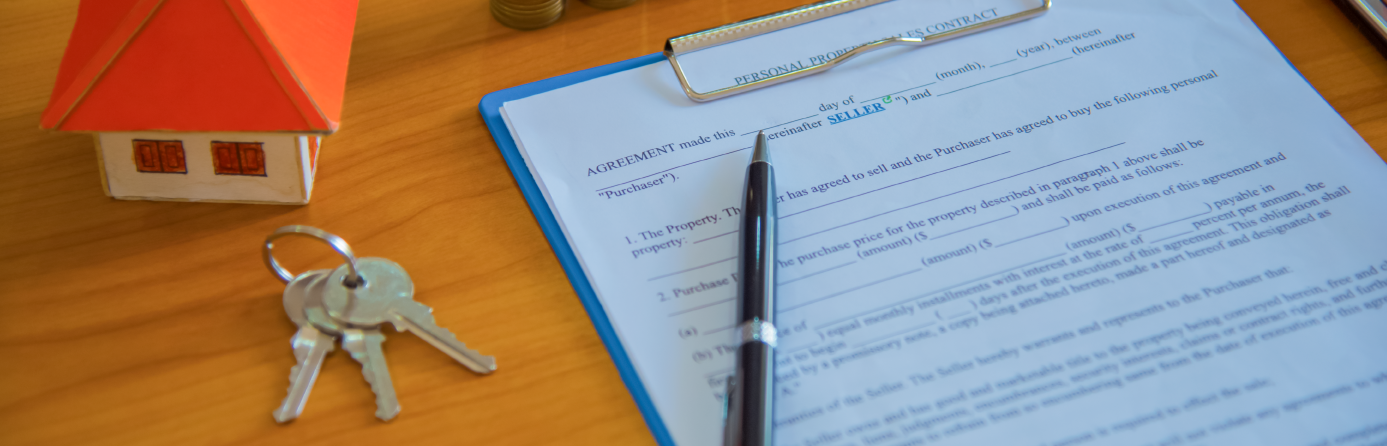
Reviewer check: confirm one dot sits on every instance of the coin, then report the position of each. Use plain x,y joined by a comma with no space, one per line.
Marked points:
527,14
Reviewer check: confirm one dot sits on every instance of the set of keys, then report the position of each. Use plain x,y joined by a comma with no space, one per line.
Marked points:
350,304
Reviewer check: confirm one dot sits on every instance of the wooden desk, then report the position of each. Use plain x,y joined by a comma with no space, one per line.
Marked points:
156,323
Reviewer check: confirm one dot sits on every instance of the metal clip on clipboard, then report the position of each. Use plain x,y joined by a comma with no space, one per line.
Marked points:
797,16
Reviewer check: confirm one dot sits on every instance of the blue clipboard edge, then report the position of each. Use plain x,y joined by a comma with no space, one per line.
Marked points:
490,107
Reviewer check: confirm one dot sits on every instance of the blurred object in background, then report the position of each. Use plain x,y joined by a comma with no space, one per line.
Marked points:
527,14
609,4
1371,18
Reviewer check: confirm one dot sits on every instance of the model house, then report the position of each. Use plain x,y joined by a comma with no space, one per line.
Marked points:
205,100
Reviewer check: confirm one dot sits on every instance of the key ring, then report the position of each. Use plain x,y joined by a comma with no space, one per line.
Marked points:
339,245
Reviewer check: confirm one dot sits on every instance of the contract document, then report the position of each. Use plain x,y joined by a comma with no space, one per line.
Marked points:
1121,222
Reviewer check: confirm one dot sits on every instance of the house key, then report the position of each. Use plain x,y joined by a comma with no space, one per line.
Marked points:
368,293
310,345
387,295
317,331
364,345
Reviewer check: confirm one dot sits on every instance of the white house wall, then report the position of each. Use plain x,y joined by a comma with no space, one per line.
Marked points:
310,162
284,181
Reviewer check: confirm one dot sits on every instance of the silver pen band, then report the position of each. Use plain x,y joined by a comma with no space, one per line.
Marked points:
757,330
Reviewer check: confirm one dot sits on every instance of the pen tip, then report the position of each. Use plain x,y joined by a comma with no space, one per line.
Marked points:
762,152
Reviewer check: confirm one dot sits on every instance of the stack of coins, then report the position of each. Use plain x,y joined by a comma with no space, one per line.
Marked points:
608,4
527,14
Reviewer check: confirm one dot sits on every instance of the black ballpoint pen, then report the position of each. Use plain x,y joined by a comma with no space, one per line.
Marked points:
751,389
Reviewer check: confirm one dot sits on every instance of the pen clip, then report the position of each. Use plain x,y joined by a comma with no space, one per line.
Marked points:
731,428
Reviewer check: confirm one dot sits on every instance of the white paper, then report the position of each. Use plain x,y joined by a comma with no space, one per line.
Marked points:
1118,223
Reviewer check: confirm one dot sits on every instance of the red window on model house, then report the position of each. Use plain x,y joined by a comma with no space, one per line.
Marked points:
159,156
238,158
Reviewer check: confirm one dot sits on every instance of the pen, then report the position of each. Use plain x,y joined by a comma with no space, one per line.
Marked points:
751,388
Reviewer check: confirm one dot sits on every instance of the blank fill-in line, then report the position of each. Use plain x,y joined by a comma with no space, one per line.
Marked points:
898,92
718,330
1211,209
883,307
713,237
849,290
1047,231
892,335
700,307
816,273
1171,237
946,195
690,269
672,168
1009,75
1002,63
1018,212
783,123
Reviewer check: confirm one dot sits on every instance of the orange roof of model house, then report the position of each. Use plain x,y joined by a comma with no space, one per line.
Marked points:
204,65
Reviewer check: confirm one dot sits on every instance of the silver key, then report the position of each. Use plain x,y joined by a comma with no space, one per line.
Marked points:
310,345
388,296
363,345
315,313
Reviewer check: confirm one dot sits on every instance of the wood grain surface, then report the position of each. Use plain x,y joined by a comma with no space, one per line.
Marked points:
156,323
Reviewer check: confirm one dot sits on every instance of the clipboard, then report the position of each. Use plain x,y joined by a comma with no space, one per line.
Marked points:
490,107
